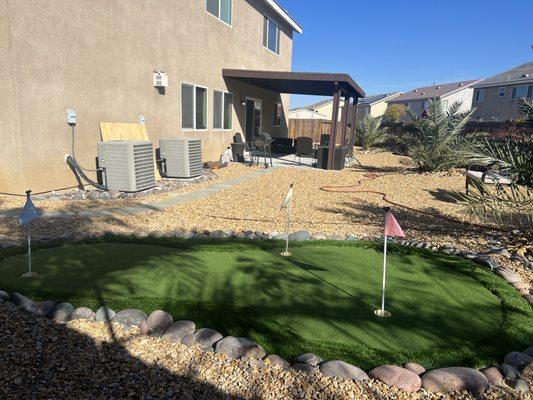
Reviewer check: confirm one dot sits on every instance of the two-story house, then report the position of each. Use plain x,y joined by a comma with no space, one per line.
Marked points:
495,97
417,100
98,59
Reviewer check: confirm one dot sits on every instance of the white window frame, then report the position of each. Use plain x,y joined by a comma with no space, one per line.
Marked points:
194,107
501,91
276,102
218,17
222,103
278,38
477,98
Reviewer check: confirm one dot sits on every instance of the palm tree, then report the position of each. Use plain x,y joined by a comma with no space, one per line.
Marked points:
369,133
433,139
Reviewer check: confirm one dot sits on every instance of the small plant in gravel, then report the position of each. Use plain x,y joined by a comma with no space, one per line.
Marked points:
369,133
434,138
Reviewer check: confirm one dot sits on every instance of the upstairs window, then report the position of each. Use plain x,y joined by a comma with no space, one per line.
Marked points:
519,92
271,34
222,107
220,9
479,96
501,92
277,113
425,105
193,107
530,92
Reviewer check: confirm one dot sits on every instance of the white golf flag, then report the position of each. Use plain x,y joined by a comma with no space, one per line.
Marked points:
288,199
29,212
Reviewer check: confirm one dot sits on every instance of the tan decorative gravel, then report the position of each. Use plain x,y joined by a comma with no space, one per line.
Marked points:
88,360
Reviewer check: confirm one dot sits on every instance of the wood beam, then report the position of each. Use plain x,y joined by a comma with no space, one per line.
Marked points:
354,120
344,120
334,125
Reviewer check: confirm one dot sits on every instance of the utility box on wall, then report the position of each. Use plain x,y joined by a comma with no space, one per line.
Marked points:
129,164
160,79
183,156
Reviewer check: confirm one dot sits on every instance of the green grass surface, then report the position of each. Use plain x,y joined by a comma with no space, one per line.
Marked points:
445,311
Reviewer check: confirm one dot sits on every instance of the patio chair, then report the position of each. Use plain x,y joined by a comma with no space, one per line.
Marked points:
262,148
479,176
239,146
304,148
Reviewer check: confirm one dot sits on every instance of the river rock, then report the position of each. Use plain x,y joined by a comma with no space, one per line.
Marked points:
300,236
158,322
493,375
130,317
454,378
517,359
414,367
308,358
178,330
82,313
239,347
274,359
104,314
509,371
308,369
4,295
23,302
44,308
62,312
520,385
392,375
206,338
508,275
340,369
188,340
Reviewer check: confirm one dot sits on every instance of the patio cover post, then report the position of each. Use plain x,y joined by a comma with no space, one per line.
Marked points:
334,119
354,120
344,119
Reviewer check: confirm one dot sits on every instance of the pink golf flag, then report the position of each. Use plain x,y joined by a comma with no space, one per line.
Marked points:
392,228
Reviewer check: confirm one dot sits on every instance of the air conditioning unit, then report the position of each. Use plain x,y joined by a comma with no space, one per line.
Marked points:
183,156
129,164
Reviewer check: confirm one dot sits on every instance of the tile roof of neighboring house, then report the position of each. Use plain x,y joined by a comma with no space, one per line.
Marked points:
368,100
434,91
521,73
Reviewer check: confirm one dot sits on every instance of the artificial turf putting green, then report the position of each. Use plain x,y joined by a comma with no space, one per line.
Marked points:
445,311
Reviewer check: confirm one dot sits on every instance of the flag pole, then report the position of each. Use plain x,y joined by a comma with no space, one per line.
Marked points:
28,214
288,204
29,249
382,312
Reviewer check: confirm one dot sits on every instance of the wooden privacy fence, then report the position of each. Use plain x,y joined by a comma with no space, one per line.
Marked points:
312,128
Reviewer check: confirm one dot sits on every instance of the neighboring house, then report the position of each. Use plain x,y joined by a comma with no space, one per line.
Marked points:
495,97
98,58
417,100
305,113
322,108
375,105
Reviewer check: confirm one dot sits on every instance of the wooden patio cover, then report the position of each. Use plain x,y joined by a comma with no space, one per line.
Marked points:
312,83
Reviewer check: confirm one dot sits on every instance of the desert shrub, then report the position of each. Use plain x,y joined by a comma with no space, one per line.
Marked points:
369,133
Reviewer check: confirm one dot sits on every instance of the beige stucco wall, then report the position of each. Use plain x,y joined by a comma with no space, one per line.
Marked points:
97,57
327,109
500,108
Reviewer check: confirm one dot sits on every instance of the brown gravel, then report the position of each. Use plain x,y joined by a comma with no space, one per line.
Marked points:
254,206
90,360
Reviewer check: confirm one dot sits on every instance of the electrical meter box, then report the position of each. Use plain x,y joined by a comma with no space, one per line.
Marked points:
71,117
160,79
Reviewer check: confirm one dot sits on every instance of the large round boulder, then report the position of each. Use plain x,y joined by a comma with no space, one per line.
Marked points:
104,314
4,295
206,338
517,359
392,375
158,322
130,317
454,378
178,330
340,369
308,358
44,308
82,313
188,340
308,369
62,312
239,347
300,236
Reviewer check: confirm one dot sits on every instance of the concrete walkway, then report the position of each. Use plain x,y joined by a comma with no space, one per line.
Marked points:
155,206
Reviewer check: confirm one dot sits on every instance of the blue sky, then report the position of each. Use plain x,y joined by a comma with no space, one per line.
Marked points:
399,45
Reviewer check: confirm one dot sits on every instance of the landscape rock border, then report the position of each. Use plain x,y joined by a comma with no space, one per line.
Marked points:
162,324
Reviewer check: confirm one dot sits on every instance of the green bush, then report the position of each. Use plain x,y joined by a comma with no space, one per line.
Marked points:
369,133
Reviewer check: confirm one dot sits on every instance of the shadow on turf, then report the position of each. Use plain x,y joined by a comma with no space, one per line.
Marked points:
260,321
